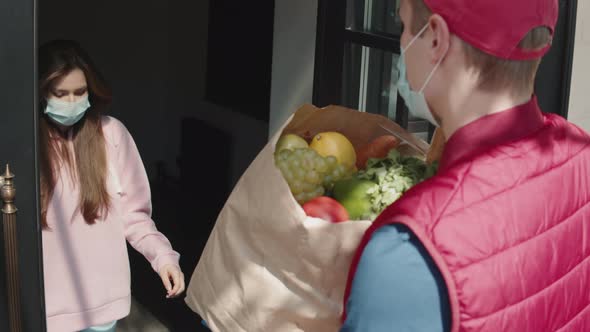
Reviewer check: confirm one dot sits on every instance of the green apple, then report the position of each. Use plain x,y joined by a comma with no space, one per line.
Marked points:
353,195
290,142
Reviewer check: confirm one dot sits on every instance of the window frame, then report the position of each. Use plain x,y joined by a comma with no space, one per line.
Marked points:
333,37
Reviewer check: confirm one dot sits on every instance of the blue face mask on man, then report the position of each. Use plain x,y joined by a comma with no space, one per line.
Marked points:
67,113
415,100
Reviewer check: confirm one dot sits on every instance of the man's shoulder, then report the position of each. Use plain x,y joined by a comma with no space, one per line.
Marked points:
426,200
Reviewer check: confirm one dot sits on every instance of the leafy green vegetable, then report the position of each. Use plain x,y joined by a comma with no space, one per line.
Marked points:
394,175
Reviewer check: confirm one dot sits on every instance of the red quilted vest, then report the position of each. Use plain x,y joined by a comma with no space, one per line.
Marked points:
507,221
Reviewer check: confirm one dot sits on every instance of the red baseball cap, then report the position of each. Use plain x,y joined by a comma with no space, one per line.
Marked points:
498,26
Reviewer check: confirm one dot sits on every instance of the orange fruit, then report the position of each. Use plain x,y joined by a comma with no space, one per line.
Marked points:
377,148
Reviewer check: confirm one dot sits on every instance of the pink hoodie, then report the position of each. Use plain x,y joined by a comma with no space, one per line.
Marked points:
86,267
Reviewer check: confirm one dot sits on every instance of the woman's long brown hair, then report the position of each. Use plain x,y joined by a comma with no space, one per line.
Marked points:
89,167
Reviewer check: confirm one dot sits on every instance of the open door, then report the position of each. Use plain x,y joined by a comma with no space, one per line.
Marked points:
18,147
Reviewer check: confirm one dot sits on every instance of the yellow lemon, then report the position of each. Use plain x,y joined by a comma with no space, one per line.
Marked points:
337,145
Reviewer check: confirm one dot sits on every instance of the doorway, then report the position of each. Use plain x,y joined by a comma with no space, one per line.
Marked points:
196,104
173,66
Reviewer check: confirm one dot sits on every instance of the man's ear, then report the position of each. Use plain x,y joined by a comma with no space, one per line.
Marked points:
441,38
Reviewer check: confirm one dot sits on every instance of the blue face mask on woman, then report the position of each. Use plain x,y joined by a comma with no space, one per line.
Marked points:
67,113
415,100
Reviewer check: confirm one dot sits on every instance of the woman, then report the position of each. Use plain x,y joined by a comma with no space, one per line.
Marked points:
94,196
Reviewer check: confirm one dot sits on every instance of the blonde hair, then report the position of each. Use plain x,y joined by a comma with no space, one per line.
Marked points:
496,73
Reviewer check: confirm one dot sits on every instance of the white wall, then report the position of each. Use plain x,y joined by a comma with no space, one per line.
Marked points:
293,58
579,108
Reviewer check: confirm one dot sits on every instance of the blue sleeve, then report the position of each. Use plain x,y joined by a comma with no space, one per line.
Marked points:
204,323
397,287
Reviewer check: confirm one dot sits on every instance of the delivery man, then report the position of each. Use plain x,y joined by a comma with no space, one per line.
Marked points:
499,239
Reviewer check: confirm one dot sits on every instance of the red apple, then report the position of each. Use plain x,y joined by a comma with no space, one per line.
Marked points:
326,208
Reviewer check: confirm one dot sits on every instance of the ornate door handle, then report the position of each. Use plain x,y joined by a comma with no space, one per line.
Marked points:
8,194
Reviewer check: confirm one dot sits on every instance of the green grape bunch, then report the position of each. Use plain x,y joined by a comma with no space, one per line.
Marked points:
309,174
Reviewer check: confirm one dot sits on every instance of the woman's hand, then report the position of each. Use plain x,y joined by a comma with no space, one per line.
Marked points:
173,280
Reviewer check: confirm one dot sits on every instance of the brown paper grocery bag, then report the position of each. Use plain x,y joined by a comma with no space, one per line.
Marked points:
267,266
